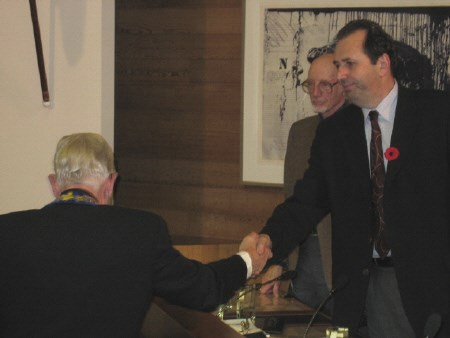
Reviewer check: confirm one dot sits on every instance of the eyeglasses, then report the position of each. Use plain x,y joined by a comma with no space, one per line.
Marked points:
324,86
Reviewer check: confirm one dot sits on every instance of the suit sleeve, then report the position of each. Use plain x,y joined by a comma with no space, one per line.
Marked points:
294,219
189,283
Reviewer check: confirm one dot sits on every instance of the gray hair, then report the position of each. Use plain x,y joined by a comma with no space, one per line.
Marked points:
83,158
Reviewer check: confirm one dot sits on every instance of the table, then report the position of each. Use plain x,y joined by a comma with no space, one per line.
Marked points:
281,317
164,320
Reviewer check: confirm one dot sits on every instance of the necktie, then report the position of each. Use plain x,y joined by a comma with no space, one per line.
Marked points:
377,178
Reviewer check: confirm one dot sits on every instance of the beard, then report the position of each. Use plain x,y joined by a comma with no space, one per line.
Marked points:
320,108
357,94
358,98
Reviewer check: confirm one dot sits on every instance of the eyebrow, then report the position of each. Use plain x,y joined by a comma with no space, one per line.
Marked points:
343,60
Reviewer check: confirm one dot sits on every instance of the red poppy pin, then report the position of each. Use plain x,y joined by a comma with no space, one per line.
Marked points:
391,153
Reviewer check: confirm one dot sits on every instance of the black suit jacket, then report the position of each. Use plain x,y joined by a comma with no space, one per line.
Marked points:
92,271
416,204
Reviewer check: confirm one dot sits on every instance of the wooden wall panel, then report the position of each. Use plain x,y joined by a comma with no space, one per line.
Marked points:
178,117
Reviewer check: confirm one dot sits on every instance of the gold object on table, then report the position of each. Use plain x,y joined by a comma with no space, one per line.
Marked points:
244,299
337,332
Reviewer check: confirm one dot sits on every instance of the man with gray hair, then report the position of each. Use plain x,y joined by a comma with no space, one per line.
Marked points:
80,267
313,261
380,167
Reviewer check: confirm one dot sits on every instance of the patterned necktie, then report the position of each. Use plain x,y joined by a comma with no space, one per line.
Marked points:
377,178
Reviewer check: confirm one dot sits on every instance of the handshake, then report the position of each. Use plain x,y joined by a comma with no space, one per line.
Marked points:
259,247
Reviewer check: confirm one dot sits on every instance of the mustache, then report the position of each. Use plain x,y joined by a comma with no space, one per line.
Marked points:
318,102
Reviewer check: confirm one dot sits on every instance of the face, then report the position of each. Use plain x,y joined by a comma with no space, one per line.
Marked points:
361,80
322,70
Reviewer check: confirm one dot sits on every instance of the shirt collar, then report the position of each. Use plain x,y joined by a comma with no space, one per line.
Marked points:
387,106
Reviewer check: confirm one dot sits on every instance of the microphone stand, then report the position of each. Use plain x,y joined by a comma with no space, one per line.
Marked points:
318,310
288,275
341,283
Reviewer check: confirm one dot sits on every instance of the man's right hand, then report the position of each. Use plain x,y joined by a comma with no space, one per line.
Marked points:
273,272
259,259
264,243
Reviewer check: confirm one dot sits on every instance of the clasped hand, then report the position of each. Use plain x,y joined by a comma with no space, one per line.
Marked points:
265,244
259,249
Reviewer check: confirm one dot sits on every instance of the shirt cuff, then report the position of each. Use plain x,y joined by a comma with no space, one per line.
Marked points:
248,261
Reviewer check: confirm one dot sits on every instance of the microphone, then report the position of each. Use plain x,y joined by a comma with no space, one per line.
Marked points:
432,325
341,282
290,274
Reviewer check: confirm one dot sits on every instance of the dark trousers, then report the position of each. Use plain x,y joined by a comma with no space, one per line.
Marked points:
384,310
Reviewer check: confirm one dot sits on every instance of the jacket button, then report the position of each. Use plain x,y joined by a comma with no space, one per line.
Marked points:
365,272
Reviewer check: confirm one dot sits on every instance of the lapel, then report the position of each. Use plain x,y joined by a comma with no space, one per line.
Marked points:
405,126
351,129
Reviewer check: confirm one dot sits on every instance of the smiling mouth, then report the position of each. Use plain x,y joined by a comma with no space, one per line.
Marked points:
347,86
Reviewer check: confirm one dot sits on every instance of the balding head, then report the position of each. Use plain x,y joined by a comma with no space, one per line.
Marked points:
325,92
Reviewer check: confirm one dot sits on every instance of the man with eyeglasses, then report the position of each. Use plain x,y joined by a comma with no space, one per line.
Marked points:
327,96
381,168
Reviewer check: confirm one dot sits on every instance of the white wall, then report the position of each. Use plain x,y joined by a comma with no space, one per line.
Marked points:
78,44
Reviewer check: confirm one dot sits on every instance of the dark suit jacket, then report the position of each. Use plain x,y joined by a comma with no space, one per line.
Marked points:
301,136
91,271
416,204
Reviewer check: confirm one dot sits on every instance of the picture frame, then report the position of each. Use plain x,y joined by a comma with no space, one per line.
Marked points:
268,108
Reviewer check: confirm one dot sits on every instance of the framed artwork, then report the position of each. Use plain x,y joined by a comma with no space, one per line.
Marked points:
279,34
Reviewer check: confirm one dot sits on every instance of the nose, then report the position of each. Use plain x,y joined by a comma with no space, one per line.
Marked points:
341,73
315,90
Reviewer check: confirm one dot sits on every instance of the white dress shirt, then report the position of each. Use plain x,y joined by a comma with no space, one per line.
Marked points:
386,115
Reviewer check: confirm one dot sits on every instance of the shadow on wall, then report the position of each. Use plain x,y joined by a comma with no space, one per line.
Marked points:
72,19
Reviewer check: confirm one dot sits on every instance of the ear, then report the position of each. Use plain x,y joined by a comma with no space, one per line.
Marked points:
385,64
112,180
109,186
54,184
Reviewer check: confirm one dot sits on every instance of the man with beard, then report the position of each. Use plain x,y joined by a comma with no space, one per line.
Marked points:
381,167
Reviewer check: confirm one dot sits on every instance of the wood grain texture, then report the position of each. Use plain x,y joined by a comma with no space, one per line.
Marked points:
178,117
206,253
